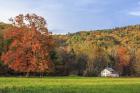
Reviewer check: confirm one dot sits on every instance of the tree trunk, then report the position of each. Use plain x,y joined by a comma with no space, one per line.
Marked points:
41,74
27,74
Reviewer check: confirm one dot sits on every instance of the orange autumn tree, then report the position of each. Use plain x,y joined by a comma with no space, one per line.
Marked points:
30,45
123,60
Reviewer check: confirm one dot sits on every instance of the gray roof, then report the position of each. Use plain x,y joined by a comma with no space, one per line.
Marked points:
109,69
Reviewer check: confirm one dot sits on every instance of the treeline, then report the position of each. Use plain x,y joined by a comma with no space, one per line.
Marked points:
27,48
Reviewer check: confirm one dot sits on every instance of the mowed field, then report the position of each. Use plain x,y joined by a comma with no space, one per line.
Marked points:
69,85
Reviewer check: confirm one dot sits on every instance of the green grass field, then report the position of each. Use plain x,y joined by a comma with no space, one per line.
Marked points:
69,85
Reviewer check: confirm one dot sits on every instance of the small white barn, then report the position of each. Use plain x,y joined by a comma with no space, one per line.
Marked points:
109,72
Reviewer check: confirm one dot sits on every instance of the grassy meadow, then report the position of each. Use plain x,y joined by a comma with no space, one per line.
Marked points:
69,85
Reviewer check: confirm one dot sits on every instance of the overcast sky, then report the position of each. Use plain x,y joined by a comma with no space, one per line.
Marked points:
65,16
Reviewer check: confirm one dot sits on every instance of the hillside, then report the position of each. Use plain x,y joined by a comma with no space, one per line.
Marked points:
125,36
110,47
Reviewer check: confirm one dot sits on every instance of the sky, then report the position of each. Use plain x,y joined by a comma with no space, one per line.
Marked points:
65,16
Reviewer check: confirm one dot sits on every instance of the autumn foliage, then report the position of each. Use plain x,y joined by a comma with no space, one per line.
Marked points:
27,48
30,47
123,56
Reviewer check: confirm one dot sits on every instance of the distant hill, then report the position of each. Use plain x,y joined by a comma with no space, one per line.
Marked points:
128,36
3,26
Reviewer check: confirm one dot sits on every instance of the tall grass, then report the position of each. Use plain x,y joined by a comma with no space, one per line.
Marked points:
69,85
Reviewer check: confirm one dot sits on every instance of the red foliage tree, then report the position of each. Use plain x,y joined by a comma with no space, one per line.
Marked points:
30,47
123,60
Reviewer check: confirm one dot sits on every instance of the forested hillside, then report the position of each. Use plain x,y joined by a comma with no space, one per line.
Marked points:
84,53
91,51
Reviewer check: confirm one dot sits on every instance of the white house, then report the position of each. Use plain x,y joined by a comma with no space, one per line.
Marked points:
109,72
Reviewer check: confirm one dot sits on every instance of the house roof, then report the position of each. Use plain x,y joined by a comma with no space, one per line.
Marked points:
109,69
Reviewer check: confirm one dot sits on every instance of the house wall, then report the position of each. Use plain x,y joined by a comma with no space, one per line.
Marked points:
106,73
